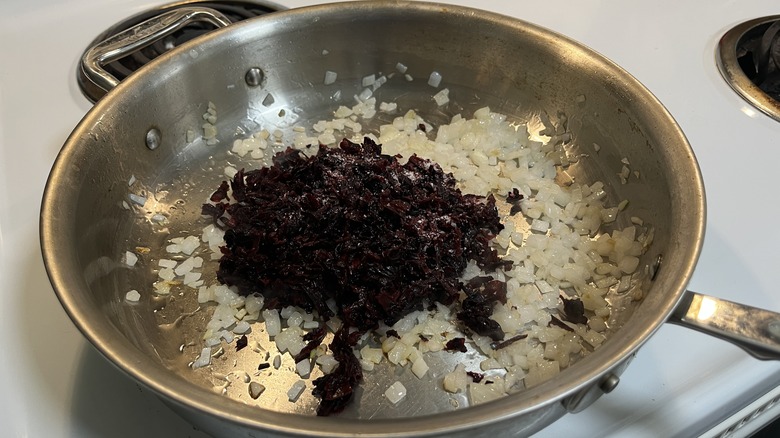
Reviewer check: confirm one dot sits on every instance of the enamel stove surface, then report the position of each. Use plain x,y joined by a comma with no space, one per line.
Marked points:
681,383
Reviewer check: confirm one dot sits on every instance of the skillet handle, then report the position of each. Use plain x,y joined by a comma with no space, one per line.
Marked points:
139,36
756,331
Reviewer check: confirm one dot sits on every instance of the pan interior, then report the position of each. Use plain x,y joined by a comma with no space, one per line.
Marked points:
514,68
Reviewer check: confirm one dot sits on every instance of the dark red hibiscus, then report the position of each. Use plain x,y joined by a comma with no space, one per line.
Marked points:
574,310
379,237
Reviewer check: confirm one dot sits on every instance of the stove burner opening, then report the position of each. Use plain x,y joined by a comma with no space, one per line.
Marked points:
748,57
758,54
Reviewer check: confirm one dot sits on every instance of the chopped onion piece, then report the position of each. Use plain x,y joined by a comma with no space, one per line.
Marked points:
273,324
303,368
442,97
241,328
540,225
166,274
190,278
456,380
253,304
369,80
419,367
132,296
204,358
330,77
388,107
185,267
255,389
130,258
137,199
395,392
364,95
434,79
189,244
327,363
296,390
483,393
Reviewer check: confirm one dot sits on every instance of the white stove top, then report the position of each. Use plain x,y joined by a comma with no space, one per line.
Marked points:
681,383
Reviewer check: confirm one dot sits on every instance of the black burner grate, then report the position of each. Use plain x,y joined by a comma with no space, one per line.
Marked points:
122,68
758,55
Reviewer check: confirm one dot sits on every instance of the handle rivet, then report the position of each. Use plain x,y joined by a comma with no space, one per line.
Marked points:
774,329
254,77
609,383
153,138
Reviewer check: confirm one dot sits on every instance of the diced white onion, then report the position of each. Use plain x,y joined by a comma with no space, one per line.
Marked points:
396,392
303,368
369,80
273,325
330,77
133,296
137,199
203,359
130,258
434,79
255,389
442,97
296,390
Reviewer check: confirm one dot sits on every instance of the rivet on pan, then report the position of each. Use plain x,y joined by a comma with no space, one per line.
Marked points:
609,383
153,138
774,330
656,266
254,77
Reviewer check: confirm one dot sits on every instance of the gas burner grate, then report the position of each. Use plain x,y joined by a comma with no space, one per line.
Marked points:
235,10
749,59
758,54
